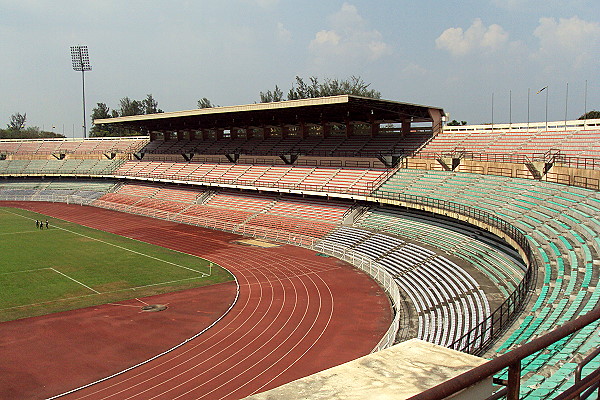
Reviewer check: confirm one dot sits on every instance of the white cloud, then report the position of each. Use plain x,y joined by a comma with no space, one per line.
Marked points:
414,70
573,38
348,39
477,37
325,38
283,35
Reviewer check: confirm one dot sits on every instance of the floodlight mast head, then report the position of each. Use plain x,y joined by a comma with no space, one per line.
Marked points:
81,62
80,58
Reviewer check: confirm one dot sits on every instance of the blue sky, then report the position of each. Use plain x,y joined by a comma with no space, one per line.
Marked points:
451,54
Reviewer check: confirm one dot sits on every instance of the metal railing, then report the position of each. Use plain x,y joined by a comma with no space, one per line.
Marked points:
550,156
362,262
385,279
483,335
512,361
475,341
53,198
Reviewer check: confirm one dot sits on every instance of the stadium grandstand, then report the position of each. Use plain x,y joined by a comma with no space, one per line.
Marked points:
485,238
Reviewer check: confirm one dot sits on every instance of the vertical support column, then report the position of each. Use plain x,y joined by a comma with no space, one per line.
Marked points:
167,136
326,128
405,127
192,135
514,381
303,130
153,135
349,128
180,135
374,129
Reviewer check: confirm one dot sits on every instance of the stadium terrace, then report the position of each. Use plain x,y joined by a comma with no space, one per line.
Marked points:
484,243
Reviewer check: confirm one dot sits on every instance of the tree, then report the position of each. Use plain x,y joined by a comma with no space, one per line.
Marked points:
101,111
127,107
591,115
354,85
17,122
456,123
269,97
130,107
205,103
32,132
149,105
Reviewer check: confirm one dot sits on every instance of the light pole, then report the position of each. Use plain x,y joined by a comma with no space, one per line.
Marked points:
81,62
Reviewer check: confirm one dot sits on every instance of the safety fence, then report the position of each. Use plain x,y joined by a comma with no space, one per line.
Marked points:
476,341
362,262
53,198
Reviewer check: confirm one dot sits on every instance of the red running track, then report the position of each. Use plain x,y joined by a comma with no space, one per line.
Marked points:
296,314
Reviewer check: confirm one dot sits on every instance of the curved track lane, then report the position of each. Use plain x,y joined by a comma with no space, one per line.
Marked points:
296,314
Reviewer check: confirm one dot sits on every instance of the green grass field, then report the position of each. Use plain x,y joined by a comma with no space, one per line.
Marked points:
70,266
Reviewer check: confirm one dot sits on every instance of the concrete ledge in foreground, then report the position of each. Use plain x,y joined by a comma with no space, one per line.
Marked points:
398,372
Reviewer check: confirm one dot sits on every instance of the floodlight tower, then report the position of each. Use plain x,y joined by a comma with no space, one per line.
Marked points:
81,62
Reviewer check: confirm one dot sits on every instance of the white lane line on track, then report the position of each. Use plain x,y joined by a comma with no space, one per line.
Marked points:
249,285
254,351
296,343
238,327
141,301
238,350
281,343
310,347
75,280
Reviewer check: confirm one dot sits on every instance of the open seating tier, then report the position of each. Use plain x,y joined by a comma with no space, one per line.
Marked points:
54,190
447,301
562,224
500,265
577,143
233,210
247,202
71,146
348,180
59,167
275,224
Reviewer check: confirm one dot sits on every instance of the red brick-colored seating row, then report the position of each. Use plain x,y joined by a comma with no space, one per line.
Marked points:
269,216
575,143
247,202
349,180
79,146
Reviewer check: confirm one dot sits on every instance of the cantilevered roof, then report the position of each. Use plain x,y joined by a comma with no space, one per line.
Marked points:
333,109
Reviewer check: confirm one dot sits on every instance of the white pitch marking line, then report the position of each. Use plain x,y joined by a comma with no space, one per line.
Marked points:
141,301
88,295
202,274
75,280
24,271
14,233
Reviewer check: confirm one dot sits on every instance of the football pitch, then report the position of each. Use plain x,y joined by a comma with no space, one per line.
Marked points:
69,266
